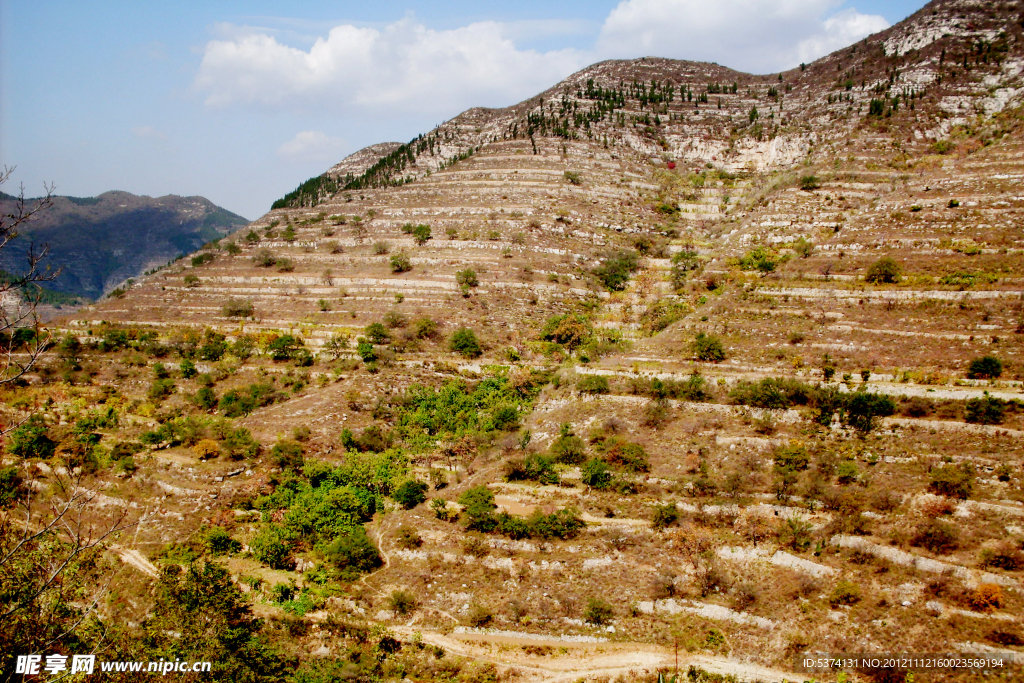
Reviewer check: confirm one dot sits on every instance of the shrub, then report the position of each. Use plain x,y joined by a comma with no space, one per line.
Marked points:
421,233
795,532
593,384
400,263
664,516
380,248
986,597
408,538
762,259
161,388
467,278
479,506
952,481
237,308
708,348
1004,555
573,177
598,612
937,536
535,467
628,455
410,493
424,328
402,602
568,449
376,333
11,486
288,454
394,320
792,458
596,474
202,259
847,472
439,506
366,352
661,314
479,616
353,553
864,407
569,330
616,269
845,593
219,542
30,440
272,547
809,183
285,347
986,367
239,444
206,449
464,342
884,270
987,410
774,393
187,369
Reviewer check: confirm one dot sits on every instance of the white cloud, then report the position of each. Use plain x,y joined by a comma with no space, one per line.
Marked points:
148,132
759,36
312,146
403,65
407,68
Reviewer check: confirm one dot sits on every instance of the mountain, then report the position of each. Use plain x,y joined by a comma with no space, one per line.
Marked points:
739,356
102,241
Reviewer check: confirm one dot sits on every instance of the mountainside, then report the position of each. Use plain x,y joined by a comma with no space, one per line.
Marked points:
686,359
102,241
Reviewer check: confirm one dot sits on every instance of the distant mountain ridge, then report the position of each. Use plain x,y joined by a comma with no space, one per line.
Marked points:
102,241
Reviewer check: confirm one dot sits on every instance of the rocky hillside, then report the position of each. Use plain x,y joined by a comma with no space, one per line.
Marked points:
683,356
102,241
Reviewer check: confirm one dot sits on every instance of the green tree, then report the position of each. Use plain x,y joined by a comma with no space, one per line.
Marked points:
464,342
884,270
708,347
410,493
863,408
200,614
598,612
467,278
376,333
986,367
616,268
421,233
953,481
664,516
353,553
987,410
273,546
479,508
31,440
400,263
596,474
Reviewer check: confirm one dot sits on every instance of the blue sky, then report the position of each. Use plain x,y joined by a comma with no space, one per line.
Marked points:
241,101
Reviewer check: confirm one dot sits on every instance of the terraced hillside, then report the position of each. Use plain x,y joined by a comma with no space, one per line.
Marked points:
680,357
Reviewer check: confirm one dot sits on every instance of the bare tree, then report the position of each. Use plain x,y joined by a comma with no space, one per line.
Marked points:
52,534
22,340
51,570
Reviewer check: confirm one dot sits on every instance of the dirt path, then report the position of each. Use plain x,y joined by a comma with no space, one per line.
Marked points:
136,559
568,661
